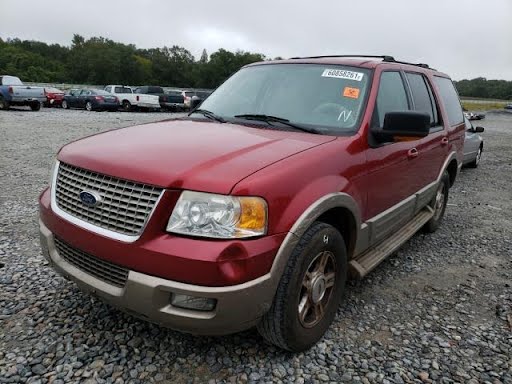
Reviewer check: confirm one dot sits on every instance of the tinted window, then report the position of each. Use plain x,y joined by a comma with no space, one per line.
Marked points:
391,97
421,96
450,99
122,90
155,90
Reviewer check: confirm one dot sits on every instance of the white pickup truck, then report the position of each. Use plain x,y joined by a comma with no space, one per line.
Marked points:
130,100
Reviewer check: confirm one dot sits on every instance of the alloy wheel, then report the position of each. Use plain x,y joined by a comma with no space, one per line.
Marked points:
316,291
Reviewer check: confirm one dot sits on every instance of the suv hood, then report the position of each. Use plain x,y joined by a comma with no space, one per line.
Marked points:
184,154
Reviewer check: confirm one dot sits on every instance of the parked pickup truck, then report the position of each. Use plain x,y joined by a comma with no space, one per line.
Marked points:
175,100
131,100
163,98
13,92
255,208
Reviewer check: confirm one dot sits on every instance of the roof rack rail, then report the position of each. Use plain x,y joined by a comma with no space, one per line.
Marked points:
386,58
383,57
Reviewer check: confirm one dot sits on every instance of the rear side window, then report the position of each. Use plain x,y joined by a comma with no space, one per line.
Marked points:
422,96
122,90
450,99
391,96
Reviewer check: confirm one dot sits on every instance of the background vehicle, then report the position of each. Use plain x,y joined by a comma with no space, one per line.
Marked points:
54,97
175,100
474,115
130,100
13,92
508,106
254,209
91,100
473,145
157,91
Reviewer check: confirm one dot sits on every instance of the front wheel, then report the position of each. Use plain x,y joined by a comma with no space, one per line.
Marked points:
309,292
88,106
438,204
474,163
36,106
65,104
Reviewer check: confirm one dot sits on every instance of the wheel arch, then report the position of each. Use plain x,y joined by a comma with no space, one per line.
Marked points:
452,166
337,209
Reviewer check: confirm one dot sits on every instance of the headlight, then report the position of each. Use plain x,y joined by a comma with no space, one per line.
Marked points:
218,216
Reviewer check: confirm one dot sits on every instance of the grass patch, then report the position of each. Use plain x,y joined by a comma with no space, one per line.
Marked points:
475,105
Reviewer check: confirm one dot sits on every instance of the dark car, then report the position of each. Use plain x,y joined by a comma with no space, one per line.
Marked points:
176,100
163,98
508,106
91,100
54,97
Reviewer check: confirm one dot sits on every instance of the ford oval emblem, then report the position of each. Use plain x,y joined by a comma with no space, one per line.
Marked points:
91,199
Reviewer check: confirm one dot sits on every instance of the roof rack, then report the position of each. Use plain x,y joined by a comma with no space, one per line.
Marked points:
386,58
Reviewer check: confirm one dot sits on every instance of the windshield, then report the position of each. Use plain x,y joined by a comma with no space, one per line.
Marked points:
329,97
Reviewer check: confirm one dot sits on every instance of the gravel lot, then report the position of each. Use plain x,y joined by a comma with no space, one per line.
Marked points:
440,310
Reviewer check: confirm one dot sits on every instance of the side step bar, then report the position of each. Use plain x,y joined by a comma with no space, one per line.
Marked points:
369,259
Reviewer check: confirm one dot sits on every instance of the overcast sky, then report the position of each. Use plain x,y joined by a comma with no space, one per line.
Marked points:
464,38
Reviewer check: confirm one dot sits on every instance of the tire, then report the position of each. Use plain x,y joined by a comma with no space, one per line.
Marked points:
36,106
438,203
474,163
64,104
4,104
127,106
88,106
283,325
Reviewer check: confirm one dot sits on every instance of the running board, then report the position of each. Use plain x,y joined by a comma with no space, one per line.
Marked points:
369,259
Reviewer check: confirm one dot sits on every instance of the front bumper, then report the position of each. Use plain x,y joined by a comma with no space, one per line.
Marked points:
238,307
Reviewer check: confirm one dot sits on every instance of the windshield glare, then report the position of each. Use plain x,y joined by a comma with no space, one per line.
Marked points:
329,97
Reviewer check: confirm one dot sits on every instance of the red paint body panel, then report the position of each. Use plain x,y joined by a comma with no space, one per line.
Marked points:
195,155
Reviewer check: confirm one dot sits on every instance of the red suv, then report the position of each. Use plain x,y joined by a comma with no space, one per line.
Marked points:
255,208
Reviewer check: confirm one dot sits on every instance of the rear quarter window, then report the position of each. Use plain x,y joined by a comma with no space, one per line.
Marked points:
450,99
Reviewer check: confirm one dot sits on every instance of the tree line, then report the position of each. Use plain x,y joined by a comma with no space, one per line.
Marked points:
101,61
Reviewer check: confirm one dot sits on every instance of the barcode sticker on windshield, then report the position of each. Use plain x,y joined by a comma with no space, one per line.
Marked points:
342,74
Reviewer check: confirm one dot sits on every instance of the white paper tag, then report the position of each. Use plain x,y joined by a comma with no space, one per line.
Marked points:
343,74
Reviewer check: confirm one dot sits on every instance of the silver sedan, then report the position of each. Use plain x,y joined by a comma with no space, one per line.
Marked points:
473,145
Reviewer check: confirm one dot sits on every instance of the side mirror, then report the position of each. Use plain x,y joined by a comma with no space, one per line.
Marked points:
195,102
479,129
403,126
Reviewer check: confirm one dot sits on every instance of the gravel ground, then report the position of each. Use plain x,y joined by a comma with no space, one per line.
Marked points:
439,310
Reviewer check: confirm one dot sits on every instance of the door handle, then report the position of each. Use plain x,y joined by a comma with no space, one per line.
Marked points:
444,141
412,153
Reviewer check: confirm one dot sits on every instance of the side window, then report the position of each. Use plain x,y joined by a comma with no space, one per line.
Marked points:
422,96
450,99
391,96
118,90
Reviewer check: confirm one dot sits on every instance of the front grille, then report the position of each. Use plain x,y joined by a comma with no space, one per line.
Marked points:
101,269
124,207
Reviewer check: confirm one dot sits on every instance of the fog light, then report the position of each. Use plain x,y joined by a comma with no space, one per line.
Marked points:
192,302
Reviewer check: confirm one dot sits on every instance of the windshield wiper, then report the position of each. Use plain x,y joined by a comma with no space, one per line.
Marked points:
208,114
274,119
